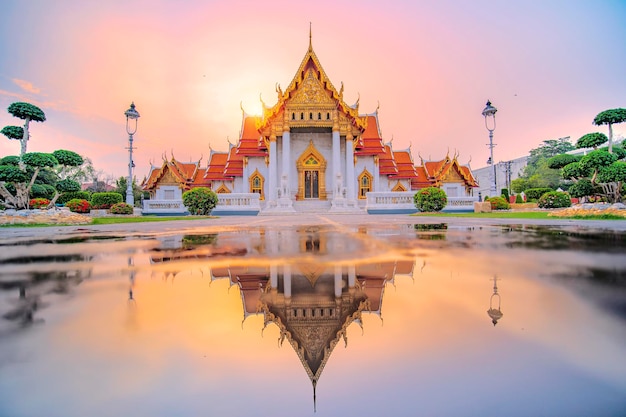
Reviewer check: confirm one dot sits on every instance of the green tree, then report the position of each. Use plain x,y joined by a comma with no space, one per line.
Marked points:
16,182
36,178
27,112
120,187
430,199
600,172
200,201
610,117
538,173
591,140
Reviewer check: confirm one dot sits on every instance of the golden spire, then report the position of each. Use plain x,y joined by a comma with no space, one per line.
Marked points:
310,38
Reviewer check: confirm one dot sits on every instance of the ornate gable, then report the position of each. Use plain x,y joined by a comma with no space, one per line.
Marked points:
311,100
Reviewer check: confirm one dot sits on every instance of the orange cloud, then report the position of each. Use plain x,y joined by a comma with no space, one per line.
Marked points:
26,86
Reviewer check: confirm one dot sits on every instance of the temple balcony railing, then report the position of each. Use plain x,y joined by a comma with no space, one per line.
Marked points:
460,204
402,202
164,207
390,202
237,204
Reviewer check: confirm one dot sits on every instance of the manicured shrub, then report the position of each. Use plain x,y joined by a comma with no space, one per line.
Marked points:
81,195
200,201
554,199
78,205
42,191
536,193
68,186
105,200
505,193
38,203
430,199
519,199
499,203
121,208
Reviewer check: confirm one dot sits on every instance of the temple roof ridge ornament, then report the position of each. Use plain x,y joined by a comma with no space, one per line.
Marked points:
310,62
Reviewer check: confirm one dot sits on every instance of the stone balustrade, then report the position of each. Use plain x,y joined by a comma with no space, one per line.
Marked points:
169,207
237,204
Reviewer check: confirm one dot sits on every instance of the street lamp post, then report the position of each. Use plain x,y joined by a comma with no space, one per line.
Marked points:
490,123
131,127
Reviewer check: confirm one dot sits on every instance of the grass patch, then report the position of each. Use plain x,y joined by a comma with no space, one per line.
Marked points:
145,219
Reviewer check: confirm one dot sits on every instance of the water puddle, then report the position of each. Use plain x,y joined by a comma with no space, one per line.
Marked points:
399,320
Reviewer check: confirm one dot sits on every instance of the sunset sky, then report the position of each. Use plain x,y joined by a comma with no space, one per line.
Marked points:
548,66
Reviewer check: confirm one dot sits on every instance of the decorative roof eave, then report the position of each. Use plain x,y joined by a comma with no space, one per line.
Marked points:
300,351
271,113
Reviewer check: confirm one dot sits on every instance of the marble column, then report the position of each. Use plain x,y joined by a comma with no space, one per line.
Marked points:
287,158
287,281
350,185
338,281
273,172
351,276
336,158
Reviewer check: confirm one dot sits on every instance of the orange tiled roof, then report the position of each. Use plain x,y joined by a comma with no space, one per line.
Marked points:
370,141
386,163
234,165
249,139
404,162
217,164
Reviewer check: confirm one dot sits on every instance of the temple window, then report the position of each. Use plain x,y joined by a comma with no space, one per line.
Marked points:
301,116
310,116
319,116
293,116
365,184
327,116
256,184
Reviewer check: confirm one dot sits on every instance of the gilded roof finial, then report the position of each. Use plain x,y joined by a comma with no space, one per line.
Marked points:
310,38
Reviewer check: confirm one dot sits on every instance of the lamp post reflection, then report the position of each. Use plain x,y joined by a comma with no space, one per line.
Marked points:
495,313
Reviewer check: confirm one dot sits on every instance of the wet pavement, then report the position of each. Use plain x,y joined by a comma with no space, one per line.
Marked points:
314,315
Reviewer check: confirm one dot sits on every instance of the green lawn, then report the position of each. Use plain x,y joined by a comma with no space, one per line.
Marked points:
114,220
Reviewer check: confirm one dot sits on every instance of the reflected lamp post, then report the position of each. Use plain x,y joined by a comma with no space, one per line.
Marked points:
494,313
131,127
490,123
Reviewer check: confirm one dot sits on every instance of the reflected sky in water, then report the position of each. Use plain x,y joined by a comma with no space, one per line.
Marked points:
320,320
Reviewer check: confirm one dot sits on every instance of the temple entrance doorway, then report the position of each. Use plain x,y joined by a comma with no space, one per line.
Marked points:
311,184
311,174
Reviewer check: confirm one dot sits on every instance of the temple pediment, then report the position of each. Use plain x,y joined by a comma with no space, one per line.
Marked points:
311,100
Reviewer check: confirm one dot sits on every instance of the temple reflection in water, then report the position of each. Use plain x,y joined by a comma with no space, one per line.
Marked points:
298,282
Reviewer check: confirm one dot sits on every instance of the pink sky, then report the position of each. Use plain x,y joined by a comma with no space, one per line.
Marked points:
548,66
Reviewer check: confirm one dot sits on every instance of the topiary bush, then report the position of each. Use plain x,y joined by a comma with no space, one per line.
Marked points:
430,199
499,203
81,195
505,193
105,200
38,203
78,205
519,199
200,201
554,199
42,191
121,208
536,193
